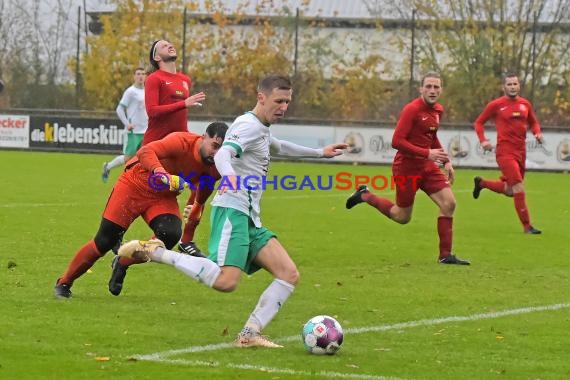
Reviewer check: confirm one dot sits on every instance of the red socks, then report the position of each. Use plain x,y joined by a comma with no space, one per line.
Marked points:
188,233
445,232
81,262
381,204
189,228
496,186
520,202
522,210
444,223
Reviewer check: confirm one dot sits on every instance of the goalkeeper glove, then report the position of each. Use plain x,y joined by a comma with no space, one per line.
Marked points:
174,182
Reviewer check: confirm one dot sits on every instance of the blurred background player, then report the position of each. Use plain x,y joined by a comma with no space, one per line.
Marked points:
167,97
167,94
238,241
138,192
416,162
512,115
132,113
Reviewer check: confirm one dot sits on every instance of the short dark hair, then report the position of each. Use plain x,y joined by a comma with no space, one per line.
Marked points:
153,63
509,74
431,74
217,128
270,82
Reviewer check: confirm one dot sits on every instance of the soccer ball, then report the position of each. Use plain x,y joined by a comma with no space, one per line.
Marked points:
322,335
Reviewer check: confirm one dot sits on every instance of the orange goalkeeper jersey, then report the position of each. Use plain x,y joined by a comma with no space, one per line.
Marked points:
179,154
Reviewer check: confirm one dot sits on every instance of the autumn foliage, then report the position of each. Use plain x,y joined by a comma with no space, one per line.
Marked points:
226,54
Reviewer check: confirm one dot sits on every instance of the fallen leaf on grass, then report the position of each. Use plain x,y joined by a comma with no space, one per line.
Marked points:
102,358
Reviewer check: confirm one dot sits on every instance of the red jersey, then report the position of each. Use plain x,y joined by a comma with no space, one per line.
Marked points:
512,118
179,154
164,101
416,130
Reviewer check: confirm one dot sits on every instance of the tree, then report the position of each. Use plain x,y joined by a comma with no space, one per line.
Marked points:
473,43
234,51
230,53
226,60
123,45
33,40
338,73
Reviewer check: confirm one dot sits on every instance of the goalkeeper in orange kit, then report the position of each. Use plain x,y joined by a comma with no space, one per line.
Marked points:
148,187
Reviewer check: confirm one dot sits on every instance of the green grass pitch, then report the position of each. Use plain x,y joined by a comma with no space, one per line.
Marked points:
378,278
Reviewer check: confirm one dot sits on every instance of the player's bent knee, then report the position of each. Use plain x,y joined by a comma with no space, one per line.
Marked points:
167,228
291,276
108,236
517,188
228,279
170,235
225,285
401,215
169,238
402,219
448,207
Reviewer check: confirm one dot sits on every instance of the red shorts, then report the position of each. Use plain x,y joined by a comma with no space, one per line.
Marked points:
127,202
414,175
512,169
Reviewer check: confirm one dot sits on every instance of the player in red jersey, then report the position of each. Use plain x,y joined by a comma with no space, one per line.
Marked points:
416,164
148,187
167,94
167,101
512,114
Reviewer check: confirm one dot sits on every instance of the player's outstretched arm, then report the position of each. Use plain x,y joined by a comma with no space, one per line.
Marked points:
334,150
289,149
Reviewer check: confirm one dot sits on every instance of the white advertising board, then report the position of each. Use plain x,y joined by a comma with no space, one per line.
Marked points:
14,131
374,145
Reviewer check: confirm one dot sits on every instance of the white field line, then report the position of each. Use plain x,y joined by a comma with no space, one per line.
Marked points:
161,356
285,371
